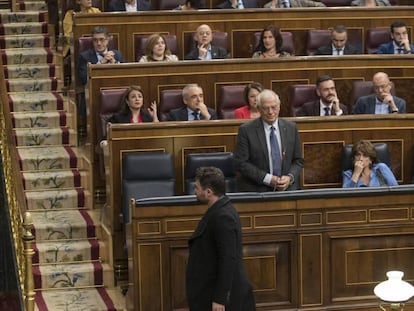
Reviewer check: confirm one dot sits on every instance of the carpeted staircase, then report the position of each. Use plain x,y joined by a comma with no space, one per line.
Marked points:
71,263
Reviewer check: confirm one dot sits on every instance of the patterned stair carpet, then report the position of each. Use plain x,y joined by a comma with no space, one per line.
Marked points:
71,264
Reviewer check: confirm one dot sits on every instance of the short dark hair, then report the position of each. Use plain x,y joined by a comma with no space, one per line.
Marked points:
254,85
124,100
339,29
397,24
322,79
366,148
213,178
100,29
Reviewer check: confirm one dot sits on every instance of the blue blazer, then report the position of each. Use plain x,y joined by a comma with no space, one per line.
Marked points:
366,105
119,6
181,114
89,56
388,48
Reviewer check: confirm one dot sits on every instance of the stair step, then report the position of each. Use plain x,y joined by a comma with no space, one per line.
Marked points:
76,275
22,17
39,101
24,42
30,71
51,157
57,225
34,85
26,28
96,299
27,56
45,136
58,199
60,179
31,6
67,251
41,119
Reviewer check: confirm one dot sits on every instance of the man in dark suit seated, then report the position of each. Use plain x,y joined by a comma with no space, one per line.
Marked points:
382,102
339,43
194,108
268,154
237,4
203,49
328,103
400,43
129,5
99,54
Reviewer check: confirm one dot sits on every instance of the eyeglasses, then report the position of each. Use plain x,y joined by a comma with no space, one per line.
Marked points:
99,39
381,87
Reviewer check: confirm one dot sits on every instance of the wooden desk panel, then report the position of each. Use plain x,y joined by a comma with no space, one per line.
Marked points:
322,140
332,263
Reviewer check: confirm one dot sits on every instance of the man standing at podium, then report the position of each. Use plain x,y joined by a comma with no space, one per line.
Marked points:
215,278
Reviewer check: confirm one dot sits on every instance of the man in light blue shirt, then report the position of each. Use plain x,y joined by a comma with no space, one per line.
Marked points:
382,101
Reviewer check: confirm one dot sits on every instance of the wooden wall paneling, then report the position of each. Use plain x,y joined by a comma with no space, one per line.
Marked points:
329,255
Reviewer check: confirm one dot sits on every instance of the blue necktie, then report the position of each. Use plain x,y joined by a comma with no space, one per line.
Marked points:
327,111
275,153
196,115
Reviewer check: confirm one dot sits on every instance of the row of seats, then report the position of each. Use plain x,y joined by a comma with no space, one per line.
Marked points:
171,4
231,98
315,39
151,174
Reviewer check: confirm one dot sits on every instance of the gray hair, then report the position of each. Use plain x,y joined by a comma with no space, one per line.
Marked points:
267,94
187,87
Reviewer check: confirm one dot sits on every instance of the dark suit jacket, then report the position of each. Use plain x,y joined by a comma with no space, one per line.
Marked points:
215,269
252,156
217,52
89,56
181,114
327,50
126,117
366,105
313,109
246,3
388,48
119,6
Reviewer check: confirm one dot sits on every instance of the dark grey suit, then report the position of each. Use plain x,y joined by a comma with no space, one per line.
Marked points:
181,114
252,156
313,109
217,52
89,56
327,50
366,105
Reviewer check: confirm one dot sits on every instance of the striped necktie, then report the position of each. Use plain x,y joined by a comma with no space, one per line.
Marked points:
275,153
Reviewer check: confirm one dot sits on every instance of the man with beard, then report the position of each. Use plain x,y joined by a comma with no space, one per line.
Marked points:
328,103
400,43
215,278
382,101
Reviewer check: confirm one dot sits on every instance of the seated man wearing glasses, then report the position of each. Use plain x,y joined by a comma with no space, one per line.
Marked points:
382,101
100,54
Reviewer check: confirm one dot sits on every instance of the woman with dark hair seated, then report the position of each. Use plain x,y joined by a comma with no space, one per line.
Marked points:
250,110
270,44
367,171
132,110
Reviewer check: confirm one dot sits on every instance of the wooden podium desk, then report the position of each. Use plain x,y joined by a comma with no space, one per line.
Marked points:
323,249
